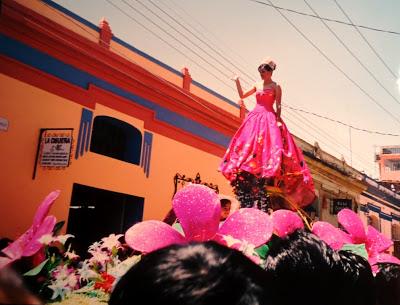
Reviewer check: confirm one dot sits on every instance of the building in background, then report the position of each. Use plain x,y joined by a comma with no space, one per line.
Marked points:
388,159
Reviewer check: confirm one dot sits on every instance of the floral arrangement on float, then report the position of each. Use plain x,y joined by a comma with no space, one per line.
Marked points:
60,276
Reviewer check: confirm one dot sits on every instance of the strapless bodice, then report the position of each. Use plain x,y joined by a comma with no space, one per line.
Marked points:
265,99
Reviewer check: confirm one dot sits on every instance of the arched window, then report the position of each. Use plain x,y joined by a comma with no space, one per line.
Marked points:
116,139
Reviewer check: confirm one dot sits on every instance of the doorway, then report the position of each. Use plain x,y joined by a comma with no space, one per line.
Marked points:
96,213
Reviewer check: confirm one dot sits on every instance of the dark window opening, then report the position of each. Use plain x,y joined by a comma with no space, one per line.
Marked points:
116,139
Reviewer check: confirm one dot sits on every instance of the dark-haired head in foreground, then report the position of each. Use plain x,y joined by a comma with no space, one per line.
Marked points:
305,270
358,279
388,284
193,274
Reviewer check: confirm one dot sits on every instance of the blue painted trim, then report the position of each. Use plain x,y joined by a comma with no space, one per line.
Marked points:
374,208
145,55
146,155
215,94
71,14
41,61
383,195
85,128
169,68
396,217
381,201
385,216
133,49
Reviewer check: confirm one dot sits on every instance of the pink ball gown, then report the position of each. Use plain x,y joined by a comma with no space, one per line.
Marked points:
265,148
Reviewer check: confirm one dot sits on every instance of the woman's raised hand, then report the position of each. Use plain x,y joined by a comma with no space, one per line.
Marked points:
235,78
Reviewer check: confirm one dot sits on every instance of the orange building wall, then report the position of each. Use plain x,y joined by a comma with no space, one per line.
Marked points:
28,109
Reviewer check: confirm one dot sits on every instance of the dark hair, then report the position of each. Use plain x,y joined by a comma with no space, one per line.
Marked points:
225,202
192,274
388,284
264,67
358,279
305,270
4,242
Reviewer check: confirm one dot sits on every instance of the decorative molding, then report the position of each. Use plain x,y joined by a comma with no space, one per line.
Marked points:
85,131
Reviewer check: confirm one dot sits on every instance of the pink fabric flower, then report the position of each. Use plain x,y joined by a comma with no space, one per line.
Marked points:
198,209
286,222
28,243
375,242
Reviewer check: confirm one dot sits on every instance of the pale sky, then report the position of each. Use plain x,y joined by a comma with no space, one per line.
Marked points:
244,32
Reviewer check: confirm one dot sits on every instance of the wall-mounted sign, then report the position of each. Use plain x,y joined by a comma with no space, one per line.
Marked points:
3,124
340,204
55,148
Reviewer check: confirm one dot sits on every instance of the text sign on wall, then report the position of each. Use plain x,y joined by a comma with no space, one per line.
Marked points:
3,124
340,204
55,150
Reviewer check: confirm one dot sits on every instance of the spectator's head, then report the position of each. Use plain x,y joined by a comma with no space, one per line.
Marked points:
358,279
388,284
225,208
192,274
13,289
304,270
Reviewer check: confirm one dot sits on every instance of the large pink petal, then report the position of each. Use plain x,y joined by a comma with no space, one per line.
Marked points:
44,208
331,235
198,209
33,245
376,241
16,248
352,223
286,222
383,258
151,235
249,225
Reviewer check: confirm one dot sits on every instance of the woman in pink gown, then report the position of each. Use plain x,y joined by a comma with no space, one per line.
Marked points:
263,152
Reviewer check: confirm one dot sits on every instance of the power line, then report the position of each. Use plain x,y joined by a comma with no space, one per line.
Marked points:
340,144
193,19
126,58
319,141
342,123
169,44
366,40
327,19
200,39
316,129
334,64
352,54
174,38
129,59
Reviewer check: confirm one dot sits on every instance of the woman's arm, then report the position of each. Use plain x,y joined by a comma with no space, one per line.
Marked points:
278,98
240,90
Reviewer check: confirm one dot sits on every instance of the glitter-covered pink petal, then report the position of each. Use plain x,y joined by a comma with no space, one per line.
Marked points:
249,225
44,208
151,235
383,258
331,235
198,209
33,245
286,222
352,223
376,241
